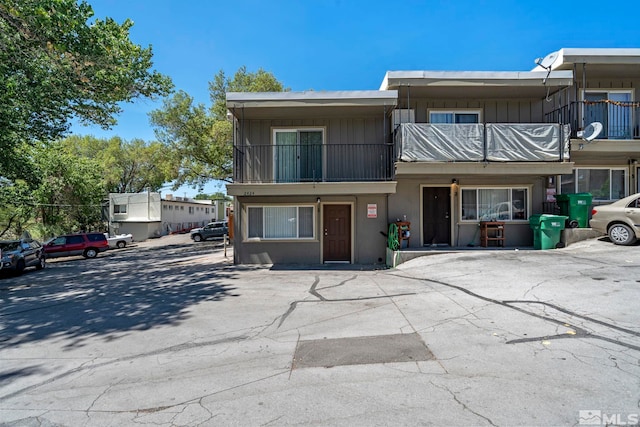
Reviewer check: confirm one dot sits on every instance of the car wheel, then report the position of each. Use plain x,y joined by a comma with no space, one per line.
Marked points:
19,267
121,244
41,264
621,234
90,253
197,238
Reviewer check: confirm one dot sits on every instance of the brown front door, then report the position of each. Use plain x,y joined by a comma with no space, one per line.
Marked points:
436,227
337,233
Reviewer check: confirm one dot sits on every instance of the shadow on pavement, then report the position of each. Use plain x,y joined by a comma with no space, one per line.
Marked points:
113,294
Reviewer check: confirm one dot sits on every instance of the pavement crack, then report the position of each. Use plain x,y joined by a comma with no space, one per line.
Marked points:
459,402
579,332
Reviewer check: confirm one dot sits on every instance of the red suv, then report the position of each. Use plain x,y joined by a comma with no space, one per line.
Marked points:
86,244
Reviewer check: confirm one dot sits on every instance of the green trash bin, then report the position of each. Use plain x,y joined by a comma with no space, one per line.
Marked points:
576,206
546,230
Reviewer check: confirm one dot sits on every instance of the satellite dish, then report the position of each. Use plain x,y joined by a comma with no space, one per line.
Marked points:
591,132
547,61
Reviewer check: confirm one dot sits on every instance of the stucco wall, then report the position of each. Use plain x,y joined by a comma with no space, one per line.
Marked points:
368,244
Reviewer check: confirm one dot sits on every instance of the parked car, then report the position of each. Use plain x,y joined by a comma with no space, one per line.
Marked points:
119,241
16,255
210,231
620,220
86,244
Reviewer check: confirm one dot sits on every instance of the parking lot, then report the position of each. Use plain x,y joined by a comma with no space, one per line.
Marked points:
169,332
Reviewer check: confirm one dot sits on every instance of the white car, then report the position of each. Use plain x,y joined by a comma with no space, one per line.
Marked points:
119,241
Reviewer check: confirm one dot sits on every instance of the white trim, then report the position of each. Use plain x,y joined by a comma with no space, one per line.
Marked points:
298,129
528,187
454,111
351,238
624,169
245,231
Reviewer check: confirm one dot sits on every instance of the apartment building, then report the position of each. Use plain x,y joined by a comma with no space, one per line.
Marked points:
148,215
319,176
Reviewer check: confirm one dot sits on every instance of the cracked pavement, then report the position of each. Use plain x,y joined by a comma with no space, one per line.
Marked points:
172,334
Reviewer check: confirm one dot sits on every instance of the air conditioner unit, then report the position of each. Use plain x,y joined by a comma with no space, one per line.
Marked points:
403,116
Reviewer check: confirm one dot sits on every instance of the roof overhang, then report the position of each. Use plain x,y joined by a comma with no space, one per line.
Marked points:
312,189
350,98
607,56
489,168
396,79
276,104
468,84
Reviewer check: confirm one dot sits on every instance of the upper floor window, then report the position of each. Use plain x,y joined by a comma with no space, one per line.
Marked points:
119,209
613,109
602,183
454,116
297,155
190,209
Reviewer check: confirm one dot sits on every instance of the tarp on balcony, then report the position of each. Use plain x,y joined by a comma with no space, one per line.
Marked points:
421,142
525,142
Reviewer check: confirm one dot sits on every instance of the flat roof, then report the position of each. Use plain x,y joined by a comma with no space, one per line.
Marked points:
349,98
394,79
570,56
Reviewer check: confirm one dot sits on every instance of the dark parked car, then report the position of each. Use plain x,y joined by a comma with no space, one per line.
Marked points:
86,244
210,231
16,255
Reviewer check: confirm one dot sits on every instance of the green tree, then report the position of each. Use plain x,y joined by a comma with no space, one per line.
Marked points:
128,166
215,196
16,207
57,63
202,136
69,193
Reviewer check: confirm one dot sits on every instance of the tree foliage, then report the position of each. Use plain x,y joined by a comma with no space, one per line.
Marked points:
202,136
127,166
69,193
56,63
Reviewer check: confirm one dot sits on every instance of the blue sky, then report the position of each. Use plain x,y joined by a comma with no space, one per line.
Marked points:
349,45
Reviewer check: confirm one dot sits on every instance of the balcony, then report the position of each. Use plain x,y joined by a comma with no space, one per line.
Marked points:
298,163
491,142
620,120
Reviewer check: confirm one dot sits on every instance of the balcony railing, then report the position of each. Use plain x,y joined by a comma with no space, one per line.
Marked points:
491,142
620,120
313,163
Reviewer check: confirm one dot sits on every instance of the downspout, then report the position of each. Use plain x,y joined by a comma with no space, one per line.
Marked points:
584,88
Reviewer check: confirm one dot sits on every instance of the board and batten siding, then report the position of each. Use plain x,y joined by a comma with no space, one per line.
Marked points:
493,111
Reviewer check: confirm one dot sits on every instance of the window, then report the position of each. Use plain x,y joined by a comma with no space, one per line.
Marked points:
612,109
297,155
602,183
74,240
495,204
281,222
206,210
181,208
164,207
170,207
191,209
119,209
454,116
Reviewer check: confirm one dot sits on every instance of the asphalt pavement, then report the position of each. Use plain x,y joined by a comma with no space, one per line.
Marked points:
169,332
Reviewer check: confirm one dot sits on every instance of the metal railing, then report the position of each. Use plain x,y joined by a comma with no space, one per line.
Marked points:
620,120
270,163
